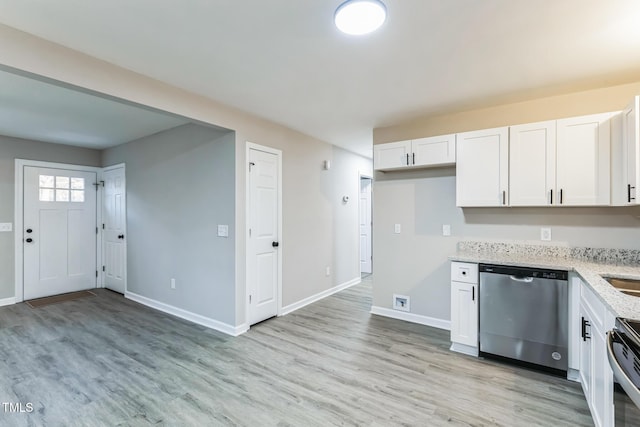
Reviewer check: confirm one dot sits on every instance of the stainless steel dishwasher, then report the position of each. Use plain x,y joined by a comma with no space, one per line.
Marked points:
524,315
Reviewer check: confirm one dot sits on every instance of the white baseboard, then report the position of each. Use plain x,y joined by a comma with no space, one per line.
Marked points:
7,301
411,317
317,297
187,315
464,349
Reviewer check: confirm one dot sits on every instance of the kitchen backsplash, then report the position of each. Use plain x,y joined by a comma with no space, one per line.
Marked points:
599,255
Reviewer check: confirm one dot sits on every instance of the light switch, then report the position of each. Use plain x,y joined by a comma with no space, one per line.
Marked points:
396,229
446,230
6,226
545,234
223,230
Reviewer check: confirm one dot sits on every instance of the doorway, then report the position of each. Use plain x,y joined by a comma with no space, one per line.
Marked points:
264,221
56,229
366,225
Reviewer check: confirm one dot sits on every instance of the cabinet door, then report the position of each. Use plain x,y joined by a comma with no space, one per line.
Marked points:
436,150
482,168
583,160
393,155
532,164
464,314
631,145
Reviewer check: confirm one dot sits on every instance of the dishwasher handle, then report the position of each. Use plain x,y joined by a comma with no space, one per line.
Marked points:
522,279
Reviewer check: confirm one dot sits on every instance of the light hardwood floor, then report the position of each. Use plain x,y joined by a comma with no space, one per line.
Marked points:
109,361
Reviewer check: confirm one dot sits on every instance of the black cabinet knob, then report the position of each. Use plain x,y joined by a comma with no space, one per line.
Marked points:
29,230
120,236
29,240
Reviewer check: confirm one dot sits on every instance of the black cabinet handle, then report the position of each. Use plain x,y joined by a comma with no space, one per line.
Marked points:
551,197
120,236
629,188
407,159
504,197
275,244
473,293
561,196
585,334
414,158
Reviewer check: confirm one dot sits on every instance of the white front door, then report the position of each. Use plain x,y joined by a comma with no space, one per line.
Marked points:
115,230
365,225
263,244
59,231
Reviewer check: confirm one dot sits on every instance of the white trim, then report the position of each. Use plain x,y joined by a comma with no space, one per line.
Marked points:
187,315
317,297
365,175
464,349
278,153
411,317
7,301
18,215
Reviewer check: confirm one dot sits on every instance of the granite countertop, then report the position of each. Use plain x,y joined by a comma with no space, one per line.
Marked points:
589,263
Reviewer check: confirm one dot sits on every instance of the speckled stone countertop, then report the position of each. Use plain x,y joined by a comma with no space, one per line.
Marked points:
592,264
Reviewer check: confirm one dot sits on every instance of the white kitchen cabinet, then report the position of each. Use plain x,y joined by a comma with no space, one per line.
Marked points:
532,164
595,373
482,168
583,160
393,155
464,308
417,153
631,151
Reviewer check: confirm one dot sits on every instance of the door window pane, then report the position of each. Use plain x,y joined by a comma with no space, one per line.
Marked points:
77,184
46,194
62,195
46,181
62,182
77,195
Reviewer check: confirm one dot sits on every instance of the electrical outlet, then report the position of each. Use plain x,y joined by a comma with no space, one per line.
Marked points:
545,234
223,230
397,228
446,230
401,302
327,271
173,283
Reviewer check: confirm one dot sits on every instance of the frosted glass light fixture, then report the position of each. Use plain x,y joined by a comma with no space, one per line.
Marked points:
357,17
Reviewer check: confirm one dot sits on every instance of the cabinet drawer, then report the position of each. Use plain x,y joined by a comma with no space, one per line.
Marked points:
464,272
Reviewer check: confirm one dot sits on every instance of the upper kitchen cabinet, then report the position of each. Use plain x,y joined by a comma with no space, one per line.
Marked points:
416,153
631,150
583,160
532,164
482,168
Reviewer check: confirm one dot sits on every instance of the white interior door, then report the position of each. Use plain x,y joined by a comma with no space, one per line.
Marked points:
59,228
365,226
263,243
115,230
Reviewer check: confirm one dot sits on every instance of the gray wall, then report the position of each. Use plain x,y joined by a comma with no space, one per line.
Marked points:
14,148
415,262
180,186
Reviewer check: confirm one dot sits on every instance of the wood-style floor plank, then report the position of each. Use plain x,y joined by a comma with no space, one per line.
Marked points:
109,361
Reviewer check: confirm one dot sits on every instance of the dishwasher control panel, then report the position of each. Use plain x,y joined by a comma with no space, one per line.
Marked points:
536,273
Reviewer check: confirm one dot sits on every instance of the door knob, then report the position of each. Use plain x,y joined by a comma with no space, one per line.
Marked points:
29,230
29,240
275,244
120,236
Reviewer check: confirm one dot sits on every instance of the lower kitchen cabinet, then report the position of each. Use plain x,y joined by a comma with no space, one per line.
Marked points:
595,374
464,308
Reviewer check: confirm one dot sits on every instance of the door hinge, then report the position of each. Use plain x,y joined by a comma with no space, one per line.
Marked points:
249,299
103,226
96,273
103,268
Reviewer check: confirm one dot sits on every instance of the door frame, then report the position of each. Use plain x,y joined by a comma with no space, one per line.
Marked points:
366,176
101,273
18,217
252,146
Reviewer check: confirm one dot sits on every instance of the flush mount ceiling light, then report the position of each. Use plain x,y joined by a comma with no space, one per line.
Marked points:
357,17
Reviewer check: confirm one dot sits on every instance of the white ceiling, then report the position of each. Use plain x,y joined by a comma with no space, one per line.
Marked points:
36,110
285,61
